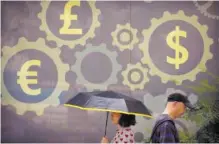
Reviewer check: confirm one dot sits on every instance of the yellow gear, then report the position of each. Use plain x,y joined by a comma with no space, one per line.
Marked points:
71,43
125,36
178,79
135,77
53,99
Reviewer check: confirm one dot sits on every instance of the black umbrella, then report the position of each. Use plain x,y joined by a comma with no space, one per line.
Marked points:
108,101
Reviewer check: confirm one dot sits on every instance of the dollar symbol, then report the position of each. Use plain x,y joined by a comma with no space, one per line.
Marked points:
67,17
23,81
177,47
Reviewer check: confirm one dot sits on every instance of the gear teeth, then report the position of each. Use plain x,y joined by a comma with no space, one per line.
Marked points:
70,43
41,28
22,40
39,15
166,14
195,18
20,112
116,41
144,47
128,25
58,51
125,76
53,54
181,13
211,41
4,102
40,40
83,43
153,21
101,49
205,28
193,78
138,64
39,113
5,51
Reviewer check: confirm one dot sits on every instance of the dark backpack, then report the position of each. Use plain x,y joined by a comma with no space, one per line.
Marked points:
156,126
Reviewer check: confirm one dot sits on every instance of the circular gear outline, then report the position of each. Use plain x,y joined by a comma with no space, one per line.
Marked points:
203,10
70,43
62,85
125,74
133,32
116,67
191,75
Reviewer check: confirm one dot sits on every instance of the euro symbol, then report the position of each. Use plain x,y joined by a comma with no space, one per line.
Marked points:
24,82
67,17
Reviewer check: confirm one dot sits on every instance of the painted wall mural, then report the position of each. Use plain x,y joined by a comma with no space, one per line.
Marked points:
52,50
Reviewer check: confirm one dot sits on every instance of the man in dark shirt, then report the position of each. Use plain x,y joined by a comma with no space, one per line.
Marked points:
164,130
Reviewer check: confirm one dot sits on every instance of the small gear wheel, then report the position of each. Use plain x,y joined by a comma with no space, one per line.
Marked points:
124,37
165,77
62,85
138,76
203,9
96,49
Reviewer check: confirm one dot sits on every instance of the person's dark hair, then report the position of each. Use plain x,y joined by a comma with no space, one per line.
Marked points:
127,120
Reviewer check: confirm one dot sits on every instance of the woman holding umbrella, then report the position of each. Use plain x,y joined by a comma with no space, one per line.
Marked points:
122,108
124,133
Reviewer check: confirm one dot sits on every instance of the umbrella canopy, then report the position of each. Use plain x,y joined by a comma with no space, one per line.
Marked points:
109,101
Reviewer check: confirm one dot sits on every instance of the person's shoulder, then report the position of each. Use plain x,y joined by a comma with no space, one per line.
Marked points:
165,121
168,123
162,118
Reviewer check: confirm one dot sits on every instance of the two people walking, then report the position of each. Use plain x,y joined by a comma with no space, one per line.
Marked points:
164,130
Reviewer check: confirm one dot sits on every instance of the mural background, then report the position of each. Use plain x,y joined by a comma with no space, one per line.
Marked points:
62,124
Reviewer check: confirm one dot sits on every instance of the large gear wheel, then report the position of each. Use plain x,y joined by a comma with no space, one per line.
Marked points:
126,34
203,9
178,79
99,49
139,78
62,85
71,43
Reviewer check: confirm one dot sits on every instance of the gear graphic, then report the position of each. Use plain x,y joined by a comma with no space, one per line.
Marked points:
127,35
53,99
99,49
203,9
178,79
71,43
135,76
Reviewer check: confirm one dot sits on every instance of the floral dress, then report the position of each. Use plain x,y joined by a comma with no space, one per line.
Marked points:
123,135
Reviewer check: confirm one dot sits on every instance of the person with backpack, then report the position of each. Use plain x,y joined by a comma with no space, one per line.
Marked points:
164,130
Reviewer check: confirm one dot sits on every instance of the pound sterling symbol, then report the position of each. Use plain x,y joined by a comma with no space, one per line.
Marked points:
23,81
67,17
177,47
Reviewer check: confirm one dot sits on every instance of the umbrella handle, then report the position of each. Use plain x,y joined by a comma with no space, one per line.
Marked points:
107,115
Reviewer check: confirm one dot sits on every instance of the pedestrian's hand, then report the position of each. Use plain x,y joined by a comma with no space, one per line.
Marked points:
105,140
